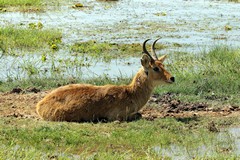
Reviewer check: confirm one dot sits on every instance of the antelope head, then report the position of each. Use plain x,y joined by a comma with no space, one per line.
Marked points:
153,66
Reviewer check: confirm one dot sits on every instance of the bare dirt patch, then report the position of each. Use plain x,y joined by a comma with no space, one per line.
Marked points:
20,103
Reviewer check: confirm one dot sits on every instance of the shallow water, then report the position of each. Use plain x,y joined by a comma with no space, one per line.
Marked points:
226,139
186,22
70,67
235,132
189,26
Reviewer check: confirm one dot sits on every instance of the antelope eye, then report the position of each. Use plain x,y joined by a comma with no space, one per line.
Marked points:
156,69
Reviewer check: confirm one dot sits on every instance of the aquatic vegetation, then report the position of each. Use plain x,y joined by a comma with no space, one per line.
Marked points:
38,25
27,39
228,28
108,51
54,47
30,5
19,2
161,14
78,5
21,5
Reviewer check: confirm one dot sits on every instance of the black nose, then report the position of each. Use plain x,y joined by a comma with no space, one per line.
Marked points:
172,79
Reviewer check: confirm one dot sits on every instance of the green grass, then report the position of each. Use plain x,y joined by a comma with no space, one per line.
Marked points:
24,139
4,3
213,74
27,39
33,5
58,80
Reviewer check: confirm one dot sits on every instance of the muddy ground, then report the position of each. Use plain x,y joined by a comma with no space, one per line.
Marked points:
20,103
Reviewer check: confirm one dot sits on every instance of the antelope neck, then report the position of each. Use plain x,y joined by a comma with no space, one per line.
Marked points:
141,84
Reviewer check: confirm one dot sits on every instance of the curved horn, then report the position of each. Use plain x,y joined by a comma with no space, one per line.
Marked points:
145,50
153,49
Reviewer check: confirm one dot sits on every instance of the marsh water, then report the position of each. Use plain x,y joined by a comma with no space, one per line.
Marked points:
184,26
228,141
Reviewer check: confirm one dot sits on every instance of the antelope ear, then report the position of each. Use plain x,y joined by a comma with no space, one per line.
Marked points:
162,58
145,61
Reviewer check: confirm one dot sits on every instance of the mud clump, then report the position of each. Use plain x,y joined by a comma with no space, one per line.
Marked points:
18,90
33,90
21,115
168,104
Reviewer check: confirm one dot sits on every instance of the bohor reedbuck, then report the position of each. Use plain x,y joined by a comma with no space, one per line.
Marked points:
86,102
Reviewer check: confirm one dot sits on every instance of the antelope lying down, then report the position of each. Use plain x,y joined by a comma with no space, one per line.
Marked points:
85,102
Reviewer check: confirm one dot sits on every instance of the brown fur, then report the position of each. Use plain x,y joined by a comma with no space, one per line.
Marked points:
84,102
